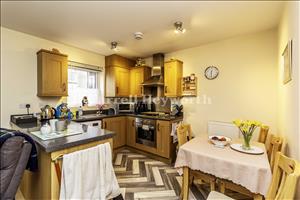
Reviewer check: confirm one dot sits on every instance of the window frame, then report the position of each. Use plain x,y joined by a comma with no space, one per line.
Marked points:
99,76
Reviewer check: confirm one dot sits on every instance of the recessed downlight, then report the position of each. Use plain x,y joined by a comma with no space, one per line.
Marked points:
114,46
179,27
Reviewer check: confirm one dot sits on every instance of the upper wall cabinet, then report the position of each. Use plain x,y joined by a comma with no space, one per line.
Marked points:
137,76
117,76
173,76
52,72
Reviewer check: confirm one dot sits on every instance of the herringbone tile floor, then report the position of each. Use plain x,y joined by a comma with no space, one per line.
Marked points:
143,178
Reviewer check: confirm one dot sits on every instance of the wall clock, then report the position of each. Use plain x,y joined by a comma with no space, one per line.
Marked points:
211,72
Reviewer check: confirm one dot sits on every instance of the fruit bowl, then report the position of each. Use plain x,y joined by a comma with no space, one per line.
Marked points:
219,140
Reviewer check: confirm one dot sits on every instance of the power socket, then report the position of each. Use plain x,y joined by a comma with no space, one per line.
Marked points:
24,105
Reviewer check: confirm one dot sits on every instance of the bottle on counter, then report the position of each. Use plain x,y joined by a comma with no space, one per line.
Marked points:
80,111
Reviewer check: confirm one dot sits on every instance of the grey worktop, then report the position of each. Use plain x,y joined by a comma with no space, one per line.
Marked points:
86,118
89,134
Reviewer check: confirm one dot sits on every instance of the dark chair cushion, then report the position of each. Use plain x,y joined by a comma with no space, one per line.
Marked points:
10,153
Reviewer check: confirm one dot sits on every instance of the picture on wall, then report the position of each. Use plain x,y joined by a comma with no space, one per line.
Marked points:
287,63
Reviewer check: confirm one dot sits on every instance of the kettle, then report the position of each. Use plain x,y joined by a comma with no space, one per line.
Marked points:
48,112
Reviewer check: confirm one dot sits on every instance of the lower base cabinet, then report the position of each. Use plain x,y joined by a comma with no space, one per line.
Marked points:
163,131
124,128
117,125
130,136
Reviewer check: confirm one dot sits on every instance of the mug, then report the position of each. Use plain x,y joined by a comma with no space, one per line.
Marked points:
61,125
52,124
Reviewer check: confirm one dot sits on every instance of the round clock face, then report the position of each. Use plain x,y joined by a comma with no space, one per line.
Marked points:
211,72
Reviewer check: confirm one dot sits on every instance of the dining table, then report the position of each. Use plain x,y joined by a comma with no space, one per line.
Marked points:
250,171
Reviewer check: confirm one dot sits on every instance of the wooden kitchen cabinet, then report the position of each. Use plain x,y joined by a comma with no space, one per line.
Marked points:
52,72
117,125
172,78
130,138
163,129
117,76
137,76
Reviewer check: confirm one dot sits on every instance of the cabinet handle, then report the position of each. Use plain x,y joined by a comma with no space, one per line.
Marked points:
104,125
132,122
158,129
117,90
166,89
64,87
141,89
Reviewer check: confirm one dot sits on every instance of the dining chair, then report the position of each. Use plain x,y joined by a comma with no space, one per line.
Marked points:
263,134
274,147
184,134
277,144
284,180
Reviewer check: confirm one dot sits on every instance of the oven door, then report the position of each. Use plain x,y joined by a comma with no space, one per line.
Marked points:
146,132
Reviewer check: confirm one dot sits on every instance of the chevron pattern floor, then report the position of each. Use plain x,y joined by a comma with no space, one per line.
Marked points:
143,178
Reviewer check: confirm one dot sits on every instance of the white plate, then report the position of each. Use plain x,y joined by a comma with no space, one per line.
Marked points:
254,150
218,143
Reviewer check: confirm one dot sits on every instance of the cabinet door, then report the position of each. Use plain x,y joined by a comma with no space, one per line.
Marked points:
130,136
163,129
117,125
172,78
136,79
52,75
122,81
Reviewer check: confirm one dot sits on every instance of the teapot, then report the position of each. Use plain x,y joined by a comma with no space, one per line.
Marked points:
48,112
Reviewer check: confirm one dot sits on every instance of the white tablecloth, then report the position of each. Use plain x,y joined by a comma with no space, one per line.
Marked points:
250,171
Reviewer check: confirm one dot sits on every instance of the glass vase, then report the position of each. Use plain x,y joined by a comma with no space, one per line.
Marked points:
247,139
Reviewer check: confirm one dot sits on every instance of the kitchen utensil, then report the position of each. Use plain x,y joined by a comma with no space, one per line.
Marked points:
47,112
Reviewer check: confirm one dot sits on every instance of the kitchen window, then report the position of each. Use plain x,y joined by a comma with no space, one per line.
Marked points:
84,82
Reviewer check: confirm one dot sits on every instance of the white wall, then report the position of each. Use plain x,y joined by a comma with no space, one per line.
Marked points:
246,87
288,118
19,70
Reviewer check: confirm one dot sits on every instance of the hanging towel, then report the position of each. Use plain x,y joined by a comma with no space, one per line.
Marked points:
88,174
174,131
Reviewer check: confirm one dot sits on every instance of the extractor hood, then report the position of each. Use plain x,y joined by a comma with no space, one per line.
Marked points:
157,72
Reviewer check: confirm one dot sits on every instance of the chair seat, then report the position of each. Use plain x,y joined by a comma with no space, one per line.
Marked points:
213,195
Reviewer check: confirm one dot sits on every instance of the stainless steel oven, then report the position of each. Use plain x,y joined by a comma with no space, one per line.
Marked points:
146,132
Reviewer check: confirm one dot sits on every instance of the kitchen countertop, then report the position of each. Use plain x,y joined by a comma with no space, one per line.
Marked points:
94,117
89,134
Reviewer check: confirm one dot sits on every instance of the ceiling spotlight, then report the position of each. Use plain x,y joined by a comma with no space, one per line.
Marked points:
179,28
114,46
138,35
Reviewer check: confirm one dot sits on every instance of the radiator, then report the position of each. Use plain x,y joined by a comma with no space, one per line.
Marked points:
223,128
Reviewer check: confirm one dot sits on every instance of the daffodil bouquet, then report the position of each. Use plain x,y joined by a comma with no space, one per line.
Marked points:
247,127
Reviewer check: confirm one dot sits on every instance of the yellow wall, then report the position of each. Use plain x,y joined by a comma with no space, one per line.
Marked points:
288,106
246,86
19,70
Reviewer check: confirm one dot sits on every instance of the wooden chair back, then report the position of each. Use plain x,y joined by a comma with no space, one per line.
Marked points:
184,133
274,147
284,180
263,134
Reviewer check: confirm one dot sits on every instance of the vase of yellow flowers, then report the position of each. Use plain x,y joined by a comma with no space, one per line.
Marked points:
247,127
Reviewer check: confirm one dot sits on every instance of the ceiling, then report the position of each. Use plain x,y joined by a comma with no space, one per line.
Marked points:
93,25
